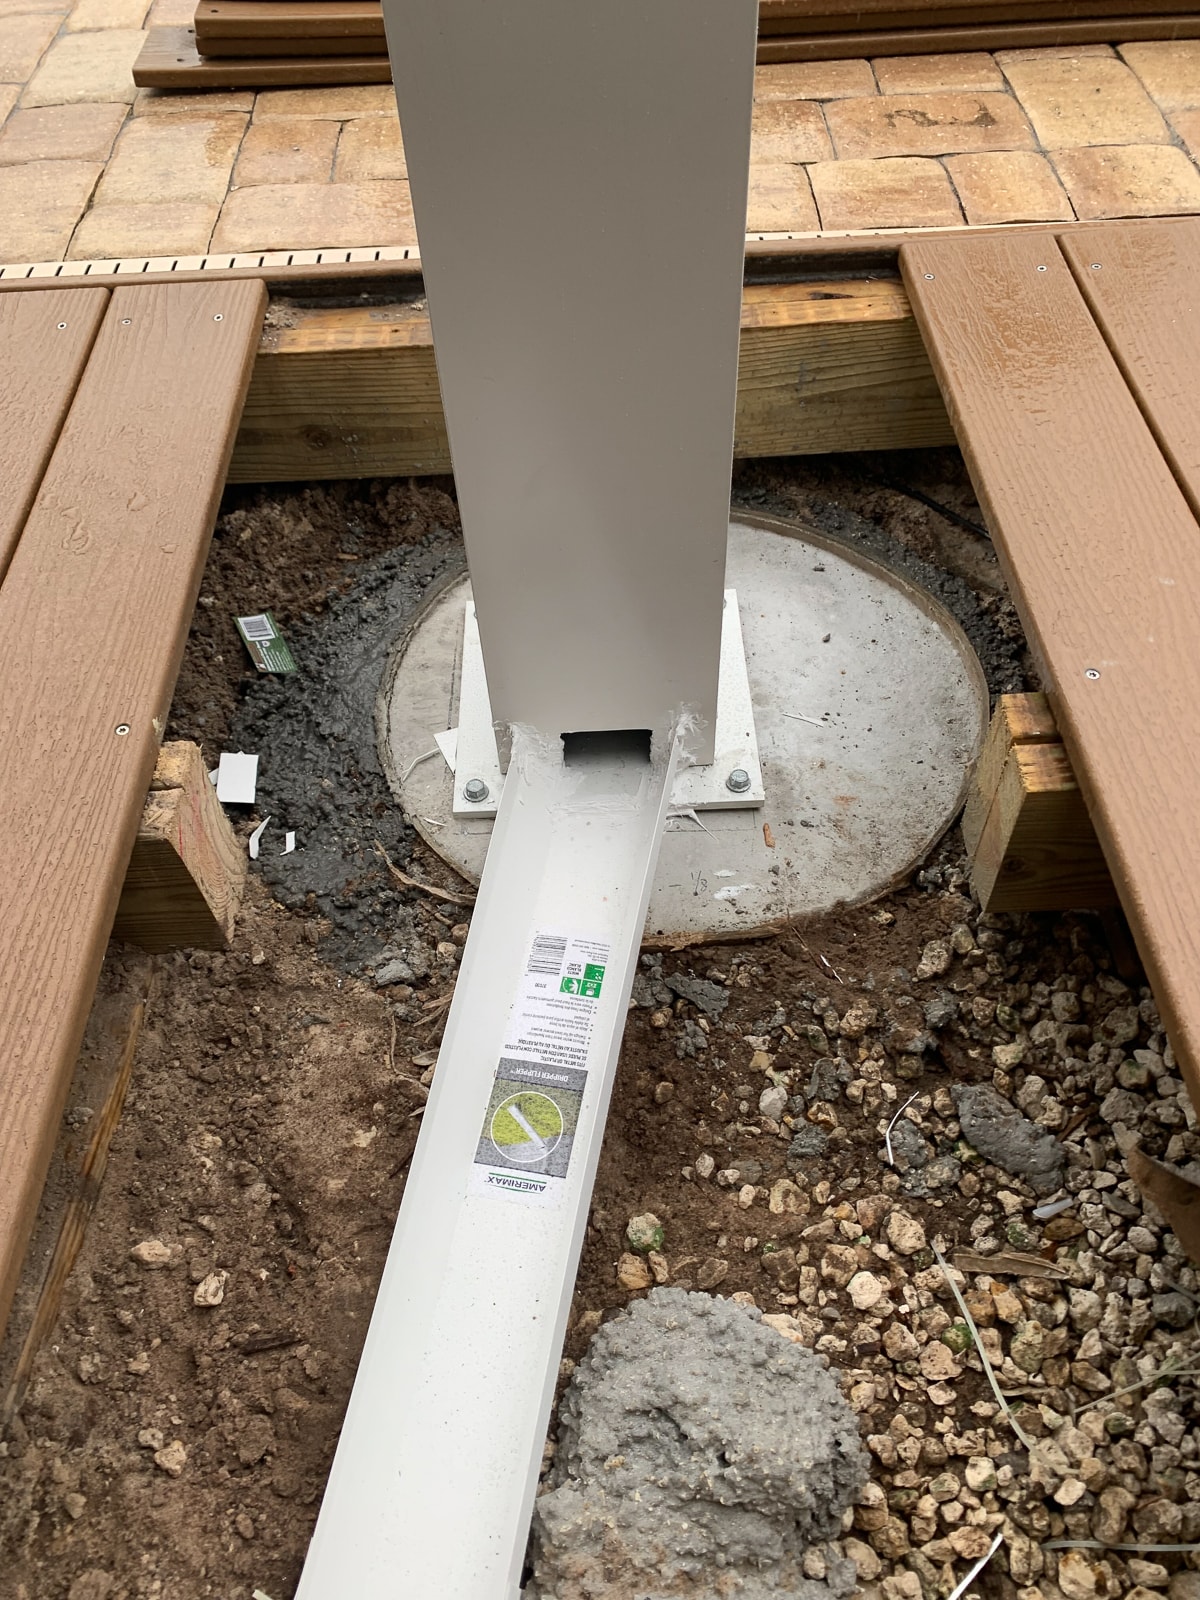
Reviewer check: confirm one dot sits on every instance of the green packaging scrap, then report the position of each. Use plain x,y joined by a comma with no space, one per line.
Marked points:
267,646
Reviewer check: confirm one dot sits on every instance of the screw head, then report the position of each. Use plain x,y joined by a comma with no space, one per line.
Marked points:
929,277
1093,673
738,781
219,317
475,790
121,729
1041,269
1097,266
61,326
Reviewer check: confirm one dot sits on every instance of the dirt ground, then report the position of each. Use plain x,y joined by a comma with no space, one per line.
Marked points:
175,1450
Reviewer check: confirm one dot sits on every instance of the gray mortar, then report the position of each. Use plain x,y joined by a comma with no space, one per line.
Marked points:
1001,1134
700,1454
319,771
1000,654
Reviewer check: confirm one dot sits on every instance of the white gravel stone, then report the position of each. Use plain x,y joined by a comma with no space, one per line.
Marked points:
866,1290
210,1291
152,1253
904,1233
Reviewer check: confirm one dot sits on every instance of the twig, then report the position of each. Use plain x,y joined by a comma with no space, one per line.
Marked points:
1169,1369
1099,1544
425,888
392,1047
987,1365
887,1138
978,1567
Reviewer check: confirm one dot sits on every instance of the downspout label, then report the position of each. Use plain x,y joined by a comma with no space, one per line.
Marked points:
532,1113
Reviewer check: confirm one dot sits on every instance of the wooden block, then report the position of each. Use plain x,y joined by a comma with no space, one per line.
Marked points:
1018,719
353,391
187,871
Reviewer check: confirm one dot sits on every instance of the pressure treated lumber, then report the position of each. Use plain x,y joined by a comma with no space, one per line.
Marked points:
1029,838
1143,287
353,391
45,340
187,871
169,60
94,612
1102,554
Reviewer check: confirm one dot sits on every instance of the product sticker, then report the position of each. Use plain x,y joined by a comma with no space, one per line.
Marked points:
264,643
533,1111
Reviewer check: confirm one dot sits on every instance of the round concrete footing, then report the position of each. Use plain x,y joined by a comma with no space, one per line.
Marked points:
869,706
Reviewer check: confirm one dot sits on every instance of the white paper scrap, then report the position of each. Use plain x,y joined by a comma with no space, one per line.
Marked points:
237,778
213,775
255,837
447,743
289,844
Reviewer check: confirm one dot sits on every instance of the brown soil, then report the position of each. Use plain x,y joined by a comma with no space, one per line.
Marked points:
274,1109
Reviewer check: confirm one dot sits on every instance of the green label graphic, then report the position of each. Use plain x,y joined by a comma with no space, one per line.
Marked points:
588,986
531,1118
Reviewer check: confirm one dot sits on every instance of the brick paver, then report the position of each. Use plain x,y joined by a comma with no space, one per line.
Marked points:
1146,180
1170,71
88,15
906,192
92,167
937,74
1008,186
1076,101
927,125
287,150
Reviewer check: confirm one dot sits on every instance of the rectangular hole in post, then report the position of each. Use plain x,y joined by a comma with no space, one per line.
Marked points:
609,745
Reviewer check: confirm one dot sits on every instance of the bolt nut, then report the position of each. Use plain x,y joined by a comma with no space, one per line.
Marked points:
475,790
738,781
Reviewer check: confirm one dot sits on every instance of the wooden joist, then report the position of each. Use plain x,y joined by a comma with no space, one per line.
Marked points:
187,871
353,391
94,612
1029,838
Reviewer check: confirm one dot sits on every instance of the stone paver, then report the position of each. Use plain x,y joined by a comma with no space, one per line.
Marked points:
814,80
22,41
162,103
937,74
149,230
1130,181
287,150
1075,101
1051,52
308,216
780,200
22,8
9,95
169,160
927,125
89,15
40,203
362,100
61,133
906,192
1187,126
86,66
1170,70
171,14
370,147
1008,186
789,130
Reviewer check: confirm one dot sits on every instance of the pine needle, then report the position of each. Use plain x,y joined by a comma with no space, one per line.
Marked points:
987,1365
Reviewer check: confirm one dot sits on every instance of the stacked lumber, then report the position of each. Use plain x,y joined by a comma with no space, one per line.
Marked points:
280,43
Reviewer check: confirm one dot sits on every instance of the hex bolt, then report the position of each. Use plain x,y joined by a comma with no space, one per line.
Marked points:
738,780
475,790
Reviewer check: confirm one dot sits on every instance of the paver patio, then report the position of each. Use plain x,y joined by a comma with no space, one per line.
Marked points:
92,168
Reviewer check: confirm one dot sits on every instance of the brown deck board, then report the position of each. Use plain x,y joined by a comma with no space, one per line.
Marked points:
1103,557
42,361
94,612
169,60
1143,287
774,49
283,19
867,16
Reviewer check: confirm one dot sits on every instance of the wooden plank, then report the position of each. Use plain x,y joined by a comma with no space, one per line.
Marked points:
1088,522
93,617
276,19
353,391
1143,287
774,50
45,342
216,49
861,16
1038,850
1018,719
72,1191
169,60
187,871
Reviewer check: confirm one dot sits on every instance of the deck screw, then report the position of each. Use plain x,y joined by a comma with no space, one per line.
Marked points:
475,790
220,317
929,277
62,324
125,321
121,729
1092,673
738,780
1097,266
1041,269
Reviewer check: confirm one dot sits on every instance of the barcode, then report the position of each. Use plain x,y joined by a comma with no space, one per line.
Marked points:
257,628
547,955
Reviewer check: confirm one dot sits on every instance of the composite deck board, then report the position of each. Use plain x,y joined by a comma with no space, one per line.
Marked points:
45,340
1143,287
865,16
94,612
1103,555
776,48
169,60
281,19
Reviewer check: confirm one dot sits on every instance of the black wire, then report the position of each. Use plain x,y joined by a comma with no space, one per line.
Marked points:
935,505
